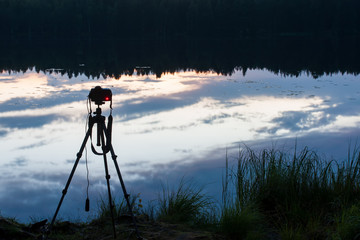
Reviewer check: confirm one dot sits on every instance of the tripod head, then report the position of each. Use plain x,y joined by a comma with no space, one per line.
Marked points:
98,111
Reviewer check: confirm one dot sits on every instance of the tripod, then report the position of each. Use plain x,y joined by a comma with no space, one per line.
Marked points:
103,140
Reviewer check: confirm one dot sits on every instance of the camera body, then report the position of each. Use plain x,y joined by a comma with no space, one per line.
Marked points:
100,95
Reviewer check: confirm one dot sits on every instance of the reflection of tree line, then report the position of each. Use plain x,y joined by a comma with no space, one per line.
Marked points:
168,18
284,55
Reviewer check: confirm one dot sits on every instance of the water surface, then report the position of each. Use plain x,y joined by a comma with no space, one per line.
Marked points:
167,127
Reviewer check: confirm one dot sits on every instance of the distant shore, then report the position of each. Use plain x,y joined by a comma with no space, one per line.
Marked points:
284,55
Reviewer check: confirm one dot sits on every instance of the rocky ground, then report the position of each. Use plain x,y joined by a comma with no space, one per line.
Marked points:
11,230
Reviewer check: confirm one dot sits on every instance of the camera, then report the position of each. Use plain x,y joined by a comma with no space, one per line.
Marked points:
100,95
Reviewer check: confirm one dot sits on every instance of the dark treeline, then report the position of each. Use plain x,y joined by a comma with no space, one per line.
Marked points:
32,19
281,55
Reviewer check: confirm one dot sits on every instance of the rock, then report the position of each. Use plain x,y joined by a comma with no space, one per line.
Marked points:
38,226
10,230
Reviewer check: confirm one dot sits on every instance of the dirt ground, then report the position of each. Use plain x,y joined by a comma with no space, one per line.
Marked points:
149,230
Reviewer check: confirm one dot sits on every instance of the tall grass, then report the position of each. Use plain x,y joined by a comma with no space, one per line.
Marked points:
186,204
120,208
298,195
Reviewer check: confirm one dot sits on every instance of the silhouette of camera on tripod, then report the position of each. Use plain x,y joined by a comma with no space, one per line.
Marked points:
99,96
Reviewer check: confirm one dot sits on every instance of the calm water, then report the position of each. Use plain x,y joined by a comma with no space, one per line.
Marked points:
164,128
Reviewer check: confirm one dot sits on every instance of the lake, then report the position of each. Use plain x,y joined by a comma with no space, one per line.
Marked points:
170,121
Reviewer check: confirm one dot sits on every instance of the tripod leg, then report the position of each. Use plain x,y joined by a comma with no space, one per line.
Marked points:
107,176
79,154
126,195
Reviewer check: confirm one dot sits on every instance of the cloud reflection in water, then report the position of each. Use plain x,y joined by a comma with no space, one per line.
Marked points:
164,128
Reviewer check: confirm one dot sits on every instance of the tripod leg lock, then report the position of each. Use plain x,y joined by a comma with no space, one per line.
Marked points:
64,191
108,177
79,154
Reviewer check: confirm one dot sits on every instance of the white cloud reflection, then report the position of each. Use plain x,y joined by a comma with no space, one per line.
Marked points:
161,125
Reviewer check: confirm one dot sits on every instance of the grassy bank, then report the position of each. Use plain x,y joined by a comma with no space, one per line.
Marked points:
298,196
269,194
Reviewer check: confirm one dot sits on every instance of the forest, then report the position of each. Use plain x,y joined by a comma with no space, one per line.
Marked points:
282,55
154,19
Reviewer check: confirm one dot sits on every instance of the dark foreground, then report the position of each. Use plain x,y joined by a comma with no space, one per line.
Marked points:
11,230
